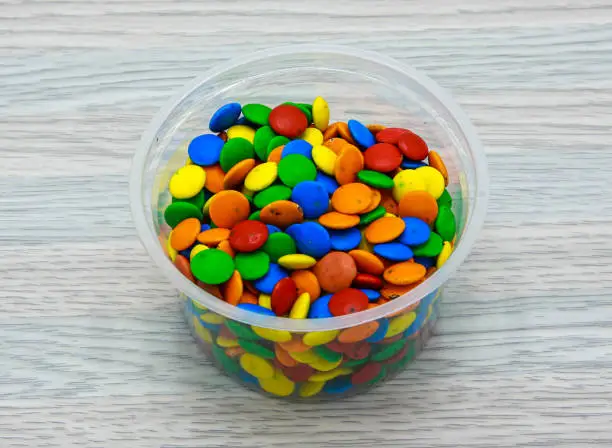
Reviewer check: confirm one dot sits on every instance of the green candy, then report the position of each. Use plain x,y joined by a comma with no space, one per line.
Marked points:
179,211
255,215
431,248
354,362
278,245
262,139
212,266
372,216
296,168
252,265
375,179
388,350
445,199
271,194
256,349
241,331
228,364
327,354
198,200
277,141
235,150
256,113
445,223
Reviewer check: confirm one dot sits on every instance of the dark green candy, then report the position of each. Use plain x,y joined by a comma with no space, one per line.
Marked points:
235,150
252,265
241,331
277,141
212,266
296,168
327,354
278,245
179,211
445,199
388,350
256,349
445,223
255,215
256,113
375,179
372,216
262,139
271,194
354,362
228,364
431,248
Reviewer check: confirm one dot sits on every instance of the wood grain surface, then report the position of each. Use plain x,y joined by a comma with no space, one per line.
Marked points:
94,350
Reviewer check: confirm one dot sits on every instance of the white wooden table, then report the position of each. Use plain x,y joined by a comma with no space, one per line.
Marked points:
93,349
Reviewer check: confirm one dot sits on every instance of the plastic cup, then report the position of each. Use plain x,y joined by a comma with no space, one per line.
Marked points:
304,359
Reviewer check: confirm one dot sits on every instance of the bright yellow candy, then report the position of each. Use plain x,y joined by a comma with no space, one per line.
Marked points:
262,176
196,250
399,324
329,375
320,113
272,335
389,215
279,384
434,181
265,300
447,249
187,182
305,357
248,193
172,252
325,159
241,131
224,342
311,388
297,261
365,244
312,136
256,366
323,365
188,161
300,308
203,333
405,181
319,337
212,318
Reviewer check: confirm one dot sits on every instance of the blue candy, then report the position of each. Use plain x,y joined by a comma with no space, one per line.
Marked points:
205,149
292,230
338,385
225,117
301,147
208,325
272,229
328,182
256,309
186,252
267,282
393,251
312,197
411,164
425,261
379,334
345,240
311,239
204,227
416,232
372,294
319,309
416,325
362,135
247,377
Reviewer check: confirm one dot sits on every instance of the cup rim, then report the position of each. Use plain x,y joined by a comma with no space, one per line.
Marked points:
141,213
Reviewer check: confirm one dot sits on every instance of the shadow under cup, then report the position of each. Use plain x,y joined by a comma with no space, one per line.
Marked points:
313,358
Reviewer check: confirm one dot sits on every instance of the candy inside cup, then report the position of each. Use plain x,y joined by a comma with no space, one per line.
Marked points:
358,85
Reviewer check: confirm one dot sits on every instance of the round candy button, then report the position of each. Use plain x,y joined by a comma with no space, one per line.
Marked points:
212,266
312,197
284,296
205,149
348,301
361,134
382,157
248,236
412,146
225,117
288,121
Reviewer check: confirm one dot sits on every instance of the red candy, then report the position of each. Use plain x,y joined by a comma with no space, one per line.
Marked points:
382,157
390,135
288,121
283,296
360,350
248,236
412,146
348,301
366,373
367,281
298,373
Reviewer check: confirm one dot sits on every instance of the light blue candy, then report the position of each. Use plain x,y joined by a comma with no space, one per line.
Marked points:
205,150
301,147
345,240
393,251
312,197
362,135
225,117
379,334
372,294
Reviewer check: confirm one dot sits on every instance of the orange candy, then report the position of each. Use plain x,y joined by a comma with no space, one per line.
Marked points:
226,247
283,357
331,131
344,132
281,213
435,161
185,234
419,204
351,198
348,164
405,273
335,144
233,289
235,176
375,128
394,291
276,154
335,271
374,201
367,262
234,352
214,178
295,345
306,281
388,202
339,221
384,229
228,208
182,264
212,237
358,333
249,297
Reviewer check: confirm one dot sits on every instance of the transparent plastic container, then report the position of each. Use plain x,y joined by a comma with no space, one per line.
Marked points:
312,359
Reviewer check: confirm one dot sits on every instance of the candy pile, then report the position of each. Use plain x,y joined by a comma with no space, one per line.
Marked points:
278,212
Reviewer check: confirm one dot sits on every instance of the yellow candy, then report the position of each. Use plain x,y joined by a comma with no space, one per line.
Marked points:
247,192
265,300
241,131
224,342
365,244
188,161
315,338
305,357
196,250
312,136
172,252
272,335
187,182
320,113
212,318
387,215
323,365
300,308
325,159
434,181
447,249
256,366
311,388
203,333
297,261
197,306
330,375
279,384
261,177
405,181
399,324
